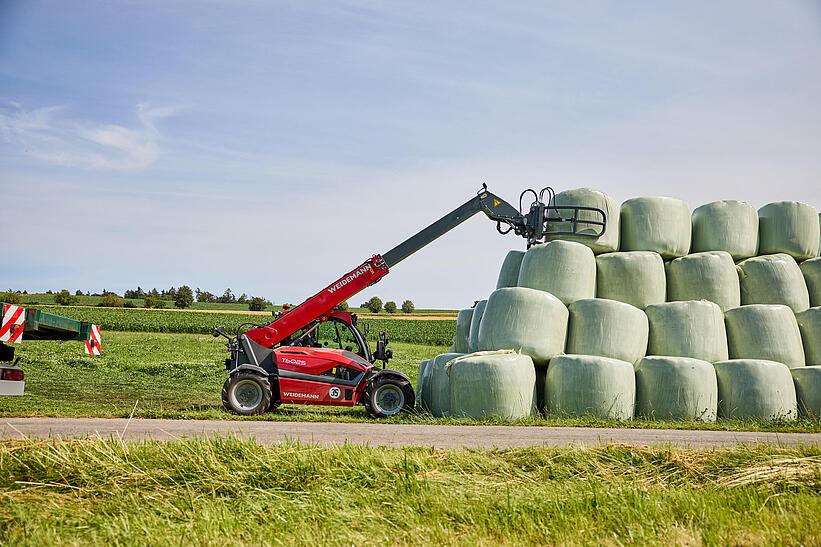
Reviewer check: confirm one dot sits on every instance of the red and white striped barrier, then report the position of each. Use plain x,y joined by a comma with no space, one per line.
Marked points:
11,328
93,342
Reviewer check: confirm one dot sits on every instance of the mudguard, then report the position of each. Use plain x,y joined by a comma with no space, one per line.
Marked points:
251,368
387,373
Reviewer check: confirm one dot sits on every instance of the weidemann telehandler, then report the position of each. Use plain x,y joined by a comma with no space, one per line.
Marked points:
311,354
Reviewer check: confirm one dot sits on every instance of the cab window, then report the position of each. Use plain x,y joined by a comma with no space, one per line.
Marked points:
337,335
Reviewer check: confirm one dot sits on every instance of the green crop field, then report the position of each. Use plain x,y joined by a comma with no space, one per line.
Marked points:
231,492
435,332
43,299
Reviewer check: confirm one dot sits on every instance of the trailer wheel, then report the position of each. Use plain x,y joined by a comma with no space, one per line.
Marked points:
388,397
246,393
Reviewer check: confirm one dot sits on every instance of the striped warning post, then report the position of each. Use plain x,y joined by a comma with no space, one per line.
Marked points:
93,342
11,328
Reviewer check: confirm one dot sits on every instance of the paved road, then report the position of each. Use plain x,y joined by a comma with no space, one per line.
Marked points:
441,436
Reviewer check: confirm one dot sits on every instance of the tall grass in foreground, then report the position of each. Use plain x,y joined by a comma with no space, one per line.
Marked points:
228,491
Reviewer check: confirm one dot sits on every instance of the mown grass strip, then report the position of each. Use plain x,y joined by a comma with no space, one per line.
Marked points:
214,492
180,376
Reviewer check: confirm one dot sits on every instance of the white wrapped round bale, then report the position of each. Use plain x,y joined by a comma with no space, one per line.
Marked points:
812,277
807,382
659,224
773,279
562,268
421,379
730,226
509,273
460,341
755,389
439,401
608,241
475,321
692,329
636,278
492,384
676,388
589,385
607,328
789,227
709,275
526,320
809,324
764,332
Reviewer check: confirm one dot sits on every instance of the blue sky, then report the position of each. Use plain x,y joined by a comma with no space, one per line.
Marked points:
271,146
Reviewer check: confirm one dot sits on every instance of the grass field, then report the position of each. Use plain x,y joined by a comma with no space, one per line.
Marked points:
181,375
236,492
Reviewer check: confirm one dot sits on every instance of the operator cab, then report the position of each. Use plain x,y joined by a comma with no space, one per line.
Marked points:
333,334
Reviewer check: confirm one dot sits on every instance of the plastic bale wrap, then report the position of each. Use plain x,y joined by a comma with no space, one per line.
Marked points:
509,273
492,384
773,279
676,388
730,226
755,389
807,382
709,275
608,241
809,324
563,268
423,392
421,378
589,385
521,319
658,224
811,269
789,227
460,341
692,329
607,328
439,401
764,332
635,278
475,321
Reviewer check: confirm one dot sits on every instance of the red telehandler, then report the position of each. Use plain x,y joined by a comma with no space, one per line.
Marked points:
311,354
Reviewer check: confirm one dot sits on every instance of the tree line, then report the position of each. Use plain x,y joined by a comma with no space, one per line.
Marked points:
180,297
375,305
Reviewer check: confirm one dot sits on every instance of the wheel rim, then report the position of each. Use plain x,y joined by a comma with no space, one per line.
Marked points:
246,395
388,399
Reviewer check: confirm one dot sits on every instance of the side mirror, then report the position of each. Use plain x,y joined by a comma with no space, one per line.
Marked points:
219,331
382,352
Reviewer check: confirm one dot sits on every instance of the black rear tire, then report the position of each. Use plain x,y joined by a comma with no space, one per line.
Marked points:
388,397
247,394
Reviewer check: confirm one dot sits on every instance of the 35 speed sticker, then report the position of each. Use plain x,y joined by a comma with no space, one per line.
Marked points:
334,392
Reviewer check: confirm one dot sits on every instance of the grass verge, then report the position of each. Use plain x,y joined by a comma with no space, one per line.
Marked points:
216,492
181,375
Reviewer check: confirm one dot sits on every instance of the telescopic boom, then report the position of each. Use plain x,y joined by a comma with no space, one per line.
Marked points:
532,225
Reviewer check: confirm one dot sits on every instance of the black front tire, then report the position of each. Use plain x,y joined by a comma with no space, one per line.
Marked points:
388,397
247,394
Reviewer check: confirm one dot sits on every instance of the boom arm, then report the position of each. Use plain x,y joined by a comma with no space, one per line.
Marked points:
531,226
494,207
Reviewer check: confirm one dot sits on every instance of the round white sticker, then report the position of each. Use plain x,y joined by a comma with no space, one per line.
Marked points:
334,392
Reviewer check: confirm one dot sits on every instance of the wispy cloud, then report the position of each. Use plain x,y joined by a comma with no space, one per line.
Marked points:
48,134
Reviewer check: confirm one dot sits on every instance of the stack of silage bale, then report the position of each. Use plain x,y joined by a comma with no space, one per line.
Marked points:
666,315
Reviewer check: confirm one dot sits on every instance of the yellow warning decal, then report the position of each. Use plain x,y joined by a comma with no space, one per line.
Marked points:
496,202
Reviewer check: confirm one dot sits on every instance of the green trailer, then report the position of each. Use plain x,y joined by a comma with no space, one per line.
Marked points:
19,323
